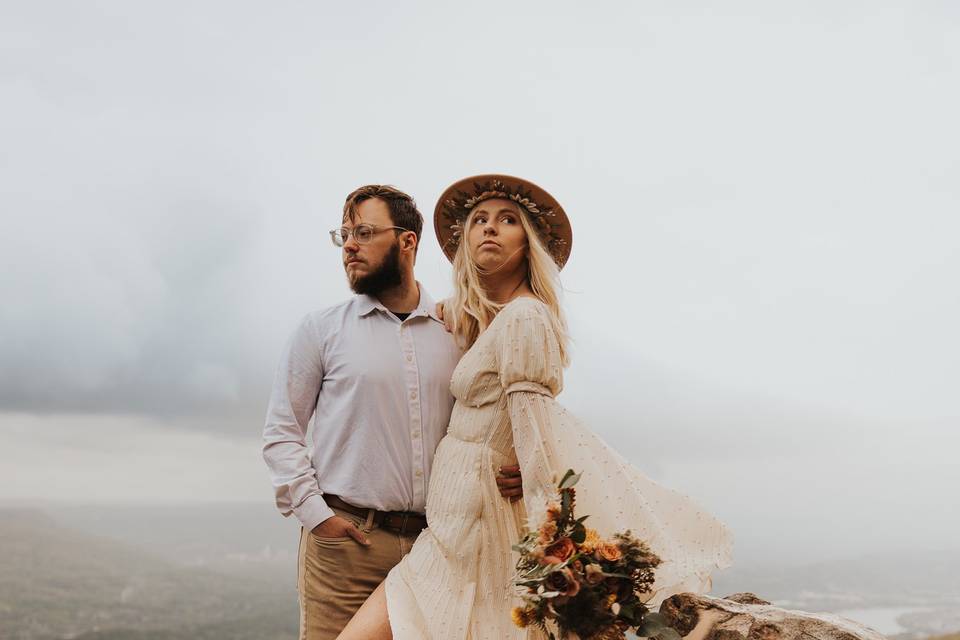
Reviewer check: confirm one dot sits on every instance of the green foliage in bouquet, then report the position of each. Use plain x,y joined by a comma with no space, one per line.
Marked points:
571,579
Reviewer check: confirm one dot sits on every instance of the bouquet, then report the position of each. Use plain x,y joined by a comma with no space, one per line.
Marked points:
572,580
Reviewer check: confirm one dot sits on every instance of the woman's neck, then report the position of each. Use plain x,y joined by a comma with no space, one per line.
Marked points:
505,288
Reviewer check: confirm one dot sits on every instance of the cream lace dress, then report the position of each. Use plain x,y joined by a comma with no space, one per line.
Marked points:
456,581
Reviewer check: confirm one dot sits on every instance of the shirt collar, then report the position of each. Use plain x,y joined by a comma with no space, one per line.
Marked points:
366,304
427,307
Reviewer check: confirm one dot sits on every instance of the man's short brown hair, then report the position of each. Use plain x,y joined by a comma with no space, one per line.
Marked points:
403,209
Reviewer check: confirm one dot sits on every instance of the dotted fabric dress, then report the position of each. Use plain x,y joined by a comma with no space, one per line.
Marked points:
456,581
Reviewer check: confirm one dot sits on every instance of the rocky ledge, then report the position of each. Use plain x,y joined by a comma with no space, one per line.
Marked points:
744,616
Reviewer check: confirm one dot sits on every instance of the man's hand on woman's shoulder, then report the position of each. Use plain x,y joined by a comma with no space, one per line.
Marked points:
447,324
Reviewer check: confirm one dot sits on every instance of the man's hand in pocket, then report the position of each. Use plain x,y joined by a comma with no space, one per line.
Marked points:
337,527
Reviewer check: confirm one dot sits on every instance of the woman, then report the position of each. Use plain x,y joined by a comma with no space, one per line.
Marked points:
508,239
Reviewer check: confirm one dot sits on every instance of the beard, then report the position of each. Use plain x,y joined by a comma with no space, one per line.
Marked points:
386,276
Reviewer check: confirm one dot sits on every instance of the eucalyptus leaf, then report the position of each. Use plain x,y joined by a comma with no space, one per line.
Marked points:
570,479
579,534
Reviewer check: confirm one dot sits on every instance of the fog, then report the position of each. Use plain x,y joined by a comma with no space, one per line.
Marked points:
763,285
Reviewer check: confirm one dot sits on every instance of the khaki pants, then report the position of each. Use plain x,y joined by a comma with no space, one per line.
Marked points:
337,574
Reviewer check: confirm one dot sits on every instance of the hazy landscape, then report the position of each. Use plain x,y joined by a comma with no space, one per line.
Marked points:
166,576
762,294
229,572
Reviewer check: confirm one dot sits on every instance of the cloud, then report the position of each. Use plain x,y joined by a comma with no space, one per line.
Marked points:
762,201
126,459
138,309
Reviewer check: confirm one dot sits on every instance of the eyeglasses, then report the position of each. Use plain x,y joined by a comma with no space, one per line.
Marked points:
362,233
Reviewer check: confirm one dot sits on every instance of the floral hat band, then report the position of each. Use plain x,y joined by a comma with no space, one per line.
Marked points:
542,210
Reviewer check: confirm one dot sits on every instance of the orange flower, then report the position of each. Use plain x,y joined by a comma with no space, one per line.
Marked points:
562,548
608,551
589,544
547,530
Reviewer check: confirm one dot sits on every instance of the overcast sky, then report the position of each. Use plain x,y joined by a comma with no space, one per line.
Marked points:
765,201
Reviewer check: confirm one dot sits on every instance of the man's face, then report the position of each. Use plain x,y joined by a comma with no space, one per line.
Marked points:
374,266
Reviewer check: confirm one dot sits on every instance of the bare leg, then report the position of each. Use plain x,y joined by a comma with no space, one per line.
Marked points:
371,622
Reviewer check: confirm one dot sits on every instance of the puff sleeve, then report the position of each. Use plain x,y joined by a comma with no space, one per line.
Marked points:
531,374
549,440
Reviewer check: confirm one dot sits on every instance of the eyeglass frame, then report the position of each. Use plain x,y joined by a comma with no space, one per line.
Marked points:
336,235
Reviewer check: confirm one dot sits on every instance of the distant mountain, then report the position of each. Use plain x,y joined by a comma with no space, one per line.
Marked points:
915,591
219,572
56,582
228,537
898,578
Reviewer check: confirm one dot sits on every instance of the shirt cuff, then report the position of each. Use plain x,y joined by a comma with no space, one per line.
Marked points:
313,511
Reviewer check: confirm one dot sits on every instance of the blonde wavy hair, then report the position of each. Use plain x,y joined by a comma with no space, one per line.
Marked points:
472,311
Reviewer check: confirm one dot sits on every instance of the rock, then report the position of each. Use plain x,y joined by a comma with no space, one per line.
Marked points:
744,616
746,598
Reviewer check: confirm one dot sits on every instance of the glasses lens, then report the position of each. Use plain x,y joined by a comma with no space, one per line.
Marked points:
338,237
363,233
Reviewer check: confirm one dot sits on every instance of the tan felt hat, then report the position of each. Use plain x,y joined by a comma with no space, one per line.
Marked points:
542,210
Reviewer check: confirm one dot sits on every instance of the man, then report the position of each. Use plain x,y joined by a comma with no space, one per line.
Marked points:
373,373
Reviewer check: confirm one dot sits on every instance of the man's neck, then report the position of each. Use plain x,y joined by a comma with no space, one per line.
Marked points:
401,299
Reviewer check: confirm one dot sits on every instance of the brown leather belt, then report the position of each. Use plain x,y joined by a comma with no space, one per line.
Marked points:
403,522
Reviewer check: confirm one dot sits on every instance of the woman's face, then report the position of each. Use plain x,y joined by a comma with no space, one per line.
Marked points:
496,238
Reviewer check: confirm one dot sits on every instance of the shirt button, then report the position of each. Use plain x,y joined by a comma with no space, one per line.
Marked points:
413,395
409,358
416,434
418,473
